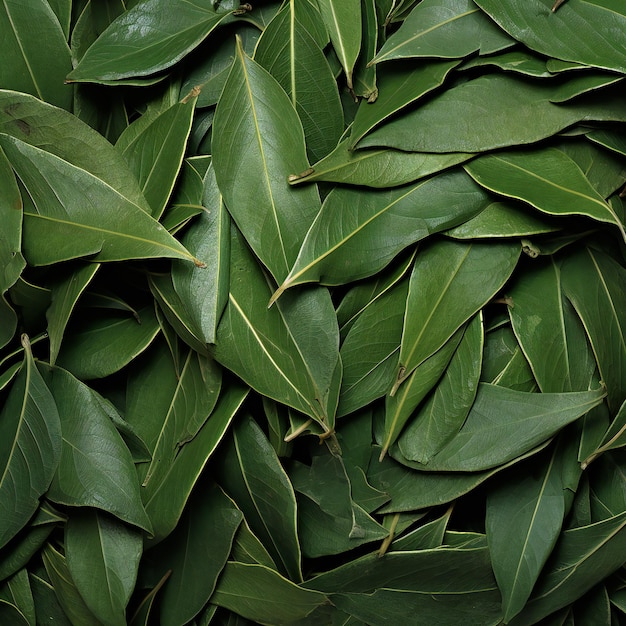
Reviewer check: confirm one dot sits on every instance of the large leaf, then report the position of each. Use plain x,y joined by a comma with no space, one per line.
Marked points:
30,446
380,225
546,179
102,555
450,29
96,468
503,424
289,352
257,142
576,32
252,475
443,293
77,214
165,37
36,56
505,111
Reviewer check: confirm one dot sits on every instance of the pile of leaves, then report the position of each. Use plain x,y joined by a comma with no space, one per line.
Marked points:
313,312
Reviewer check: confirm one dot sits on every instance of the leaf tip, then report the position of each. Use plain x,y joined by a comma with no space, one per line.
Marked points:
277,294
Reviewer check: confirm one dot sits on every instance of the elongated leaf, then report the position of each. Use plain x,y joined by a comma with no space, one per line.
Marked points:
547,179
615,436
443,294
96,468
191,549
500,108
36,54
16,597
258,142
551,33
290,351
582,557
519,551
289,52
364,79
380,225
77,214
165,37
518,61
102,555
595,285
450,29
340,16
30,448
444,413
504,424
155,154
262,595
251,474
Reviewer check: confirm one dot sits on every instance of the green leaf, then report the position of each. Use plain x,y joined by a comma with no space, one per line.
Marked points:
257,141
445,411
155,152
191,549
102,555
576,32
16,597
165,500
289,52
250,472
77,214
520,550
380,225
107,343
339,17
443,294
595,285
518,61
546,179
30,448
488,439
96,467
263,595
289,352
500,108
35,52
615,436
450,29
164,39
364,79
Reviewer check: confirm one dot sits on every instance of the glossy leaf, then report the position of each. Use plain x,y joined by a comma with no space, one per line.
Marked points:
442,280
77,214
539,29
380,225
30,433
253,477
96,468
487,439
286,352
452,29
258,142
102,555
122,51
546,179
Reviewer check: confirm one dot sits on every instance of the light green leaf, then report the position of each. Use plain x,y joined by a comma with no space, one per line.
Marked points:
263,595
450,29
36,56
251,474
340,16
444,293
257,142
30,446
77,214
289,352
503,424
576,32
546,179
96,468
165,37
378,226
102,555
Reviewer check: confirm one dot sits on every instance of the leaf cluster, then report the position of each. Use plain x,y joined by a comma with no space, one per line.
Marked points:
312,312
